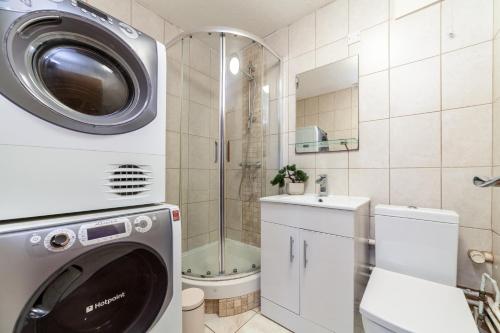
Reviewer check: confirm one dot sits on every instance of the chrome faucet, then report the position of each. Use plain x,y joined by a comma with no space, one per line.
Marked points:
323,185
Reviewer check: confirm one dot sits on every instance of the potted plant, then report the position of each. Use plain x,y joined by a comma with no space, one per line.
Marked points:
296,179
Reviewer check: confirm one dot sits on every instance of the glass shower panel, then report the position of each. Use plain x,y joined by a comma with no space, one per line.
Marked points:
248,104
199,162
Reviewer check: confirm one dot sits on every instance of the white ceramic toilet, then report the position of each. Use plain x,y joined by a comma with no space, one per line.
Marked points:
412,288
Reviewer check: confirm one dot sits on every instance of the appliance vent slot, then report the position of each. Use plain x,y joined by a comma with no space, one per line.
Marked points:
129,180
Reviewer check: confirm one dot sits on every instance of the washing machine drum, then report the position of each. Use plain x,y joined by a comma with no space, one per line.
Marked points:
118,288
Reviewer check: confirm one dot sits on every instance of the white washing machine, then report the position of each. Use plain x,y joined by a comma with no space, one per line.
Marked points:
110,272
82,101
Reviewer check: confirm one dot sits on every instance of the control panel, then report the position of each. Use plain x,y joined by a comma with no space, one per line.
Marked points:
74,6
91,233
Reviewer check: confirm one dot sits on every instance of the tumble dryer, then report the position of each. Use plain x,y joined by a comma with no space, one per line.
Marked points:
82,101
104,272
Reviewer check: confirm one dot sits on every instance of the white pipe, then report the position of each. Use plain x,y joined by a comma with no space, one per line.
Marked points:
493,319
492,307
490,326
495,286
371,242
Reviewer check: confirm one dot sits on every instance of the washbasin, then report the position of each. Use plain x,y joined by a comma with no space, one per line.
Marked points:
331,201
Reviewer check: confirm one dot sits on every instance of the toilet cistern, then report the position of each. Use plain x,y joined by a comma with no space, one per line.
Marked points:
323,185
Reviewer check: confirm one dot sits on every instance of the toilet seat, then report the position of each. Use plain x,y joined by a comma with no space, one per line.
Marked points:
403,304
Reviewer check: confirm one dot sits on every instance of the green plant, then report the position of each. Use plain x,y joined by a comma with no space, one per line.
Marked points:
289,172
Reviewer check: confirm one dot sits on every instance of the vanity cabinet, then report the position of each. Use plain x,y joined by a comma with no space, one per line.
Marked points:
313,270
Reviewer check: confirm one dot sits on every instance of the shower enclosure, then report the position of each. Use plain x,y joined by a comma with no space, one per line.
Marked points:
229,87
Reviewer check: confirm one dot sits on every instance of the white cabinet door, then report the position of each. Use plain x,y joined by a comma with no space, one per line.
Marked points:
327,280
280,265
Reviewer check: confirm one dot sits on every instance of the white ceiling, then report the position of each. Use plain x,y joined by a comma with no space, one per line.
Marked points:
260,17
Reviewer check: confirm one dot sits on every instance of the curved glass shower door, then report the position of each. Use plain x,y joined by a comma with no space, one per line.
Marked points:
229,150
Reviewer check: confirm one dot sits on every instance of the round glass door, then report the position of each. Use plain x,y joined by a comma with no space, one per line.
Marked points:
118,288
84,79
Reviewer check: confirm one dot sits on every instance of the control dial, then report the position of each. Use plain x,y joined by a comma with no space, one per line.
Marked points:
59,240
143,223
128,30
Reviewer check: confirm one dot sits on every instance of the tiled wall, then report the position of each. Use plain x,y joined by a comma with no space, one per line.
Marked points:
336,113
425,106
496,139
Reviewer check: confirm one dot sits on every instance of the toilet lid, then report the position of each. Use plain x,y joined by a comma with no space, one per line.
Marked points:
406,304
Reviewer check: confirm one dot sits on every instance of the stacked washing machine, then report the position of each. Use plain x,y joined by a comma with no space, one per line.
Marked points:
86,243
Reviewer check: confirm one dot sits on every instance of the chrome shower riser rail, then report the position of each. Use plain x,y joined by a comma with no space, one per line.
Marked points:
222,121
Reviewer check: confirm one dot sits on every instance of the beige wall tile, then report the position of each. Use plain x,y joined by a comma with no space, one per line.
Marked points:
332,160
416,87
467,136
496,69
364,14
469,22
416,36
338,181
404,7
121,9
299,65
307,161
148,21
416,187
302,35
234,214
469,274
171,31
332,52
173,113
415,141
198,185
374,146
199,88
278,41
371,183
172,152
374,96
467,76
472,203
198,219
199,152
199,58
373,50
331,22
495,203
496,254
173,177
199,117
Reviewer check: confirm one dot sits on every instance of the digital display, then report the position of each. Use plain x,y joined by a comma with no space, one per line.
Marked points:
105,231
92,10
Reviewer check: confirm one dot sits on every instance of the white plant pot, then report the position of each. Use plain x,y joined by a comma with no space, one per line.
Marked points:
295,188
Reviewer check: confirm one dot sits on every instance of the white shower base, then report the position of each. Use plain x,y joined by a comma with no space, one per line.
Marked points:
206,258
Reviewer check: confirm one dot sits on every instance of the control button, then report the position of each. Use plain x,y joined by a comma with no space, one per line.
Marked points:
128,30
35,239
84,10
143,223
93,15
59,240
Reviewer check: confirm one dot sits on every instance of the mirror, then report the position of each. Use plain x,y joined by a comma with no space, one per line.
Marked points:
327,108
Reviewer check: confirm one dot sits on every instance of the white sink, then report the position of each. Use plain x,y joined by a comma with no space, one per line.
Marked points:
331,201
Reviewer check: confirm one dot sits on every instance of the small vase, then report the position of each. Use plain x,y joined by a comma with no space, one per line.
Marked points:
295,188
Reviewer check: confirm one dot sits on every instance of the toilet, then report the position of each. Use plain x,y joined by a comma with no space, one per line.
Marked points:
413,286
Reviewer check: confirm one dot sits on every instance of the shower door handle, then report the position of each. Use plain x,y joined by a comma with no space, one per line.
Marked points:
305,254
228,151
216,155
291,249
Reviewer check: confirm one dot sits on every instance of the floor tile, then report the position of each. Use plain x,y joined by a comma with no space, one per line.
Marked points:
260,324
228,324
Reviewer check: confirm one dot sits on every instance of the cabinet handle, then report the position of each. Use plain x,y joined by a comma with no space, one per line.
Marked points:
291,249
216,155
305,254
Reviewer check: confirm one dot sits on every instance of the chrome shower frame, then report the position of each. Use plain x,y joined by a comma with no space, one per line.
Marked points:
224,32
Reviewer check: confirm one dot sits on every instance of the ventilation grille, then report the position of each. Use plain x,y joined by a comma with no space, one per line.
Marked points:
129,180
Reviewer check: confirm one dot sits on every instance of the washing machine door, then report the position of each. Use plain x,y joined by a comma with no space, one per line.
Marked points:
79,68
117,288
